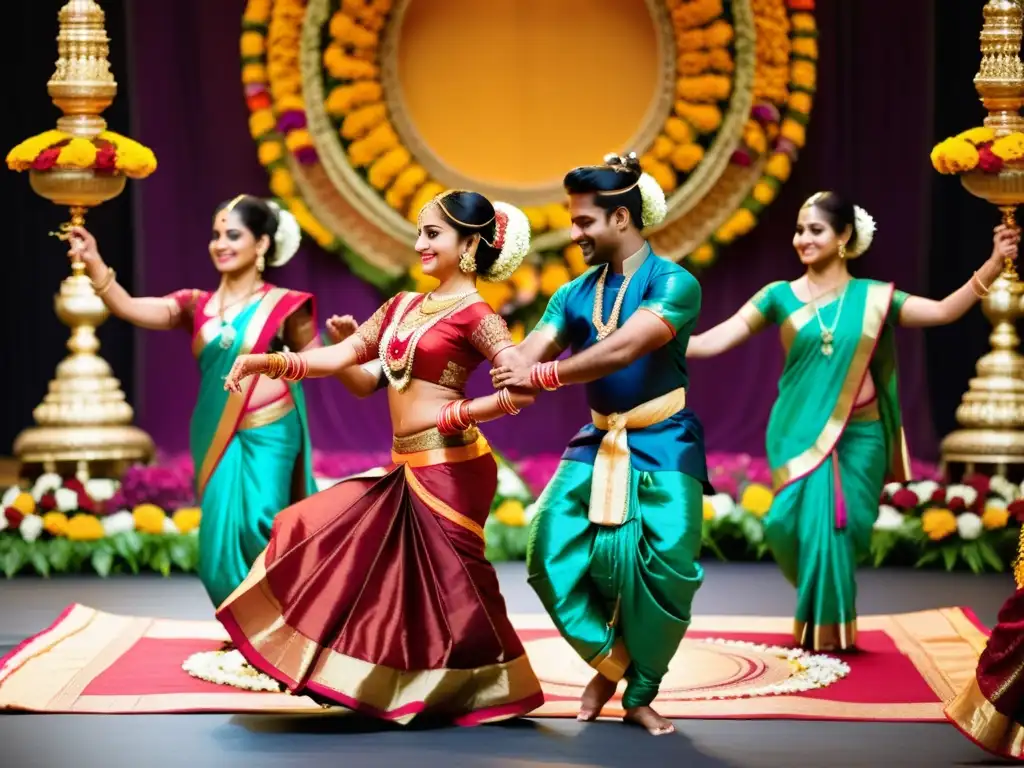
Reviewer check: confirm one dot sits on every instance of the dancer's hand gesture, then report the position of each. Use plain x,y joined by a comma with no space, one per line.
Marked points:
341,327
244,366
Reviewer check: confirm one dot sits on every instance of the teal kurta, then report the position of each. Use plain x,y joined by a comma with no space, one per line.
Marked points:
829,452
244,476
621,595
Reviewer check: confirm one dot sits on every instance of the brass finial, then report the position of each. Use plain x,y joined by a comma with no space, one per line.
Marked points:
1000,79
82,85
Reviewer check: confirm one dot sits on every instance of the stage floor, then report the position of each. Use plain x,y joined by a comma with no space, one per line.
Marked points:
197,741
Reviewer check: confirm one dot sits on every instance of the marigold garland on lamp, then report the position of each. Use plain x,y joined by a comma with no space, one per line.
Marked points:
84,419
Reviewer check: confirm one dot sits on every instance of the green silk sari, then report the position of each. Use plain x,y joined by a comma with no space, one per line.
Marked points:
829,455
245,472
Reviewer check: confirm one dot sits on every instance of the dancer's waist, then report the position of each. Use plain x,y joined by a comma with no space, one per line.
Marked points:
431,447
262,415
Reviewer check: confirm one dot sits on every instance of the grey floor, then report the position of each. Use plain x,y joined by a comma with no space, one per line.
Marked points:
197,741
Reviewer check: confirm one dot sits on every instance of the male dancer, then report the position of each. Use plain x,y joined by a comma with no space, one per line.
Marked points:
613,548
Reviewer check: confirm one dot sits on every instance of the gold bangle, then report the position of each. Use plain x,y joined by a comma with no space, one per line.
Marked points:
104,283
275,365
979,288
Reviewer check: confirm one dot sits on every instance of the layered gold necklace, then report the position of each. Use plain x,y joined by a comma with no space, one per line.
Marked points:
603,328
397,348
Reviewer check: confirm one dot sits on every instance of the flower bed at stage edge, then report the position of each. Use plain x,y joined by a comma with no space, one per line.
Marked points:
150,521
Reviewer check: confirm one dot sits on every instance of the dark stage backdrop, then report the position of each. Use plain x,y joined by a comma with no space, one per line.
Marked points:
871,131
32,263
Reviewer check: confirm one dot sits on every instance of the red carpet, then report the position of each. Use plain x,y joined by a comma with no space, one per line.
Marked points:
93,662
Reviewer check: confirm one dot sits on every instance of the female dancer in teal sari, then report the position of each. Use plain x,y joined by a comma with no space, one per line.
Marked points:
251,450
835,430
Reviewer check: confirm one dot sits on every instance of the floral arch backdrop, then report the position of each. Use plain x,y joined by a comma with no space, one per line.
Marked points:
736,80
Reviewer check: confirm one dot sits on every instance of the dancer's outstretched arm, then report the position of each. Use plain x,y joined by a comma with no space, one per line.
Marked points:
921,312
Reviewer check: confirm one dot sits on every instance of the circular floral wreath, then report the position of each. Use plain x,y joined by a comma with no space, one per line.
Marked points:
709,47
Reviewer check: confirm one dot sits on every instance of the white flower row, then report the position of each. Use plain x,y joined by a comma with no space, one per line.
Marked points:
31,526
98,489
810,670
229,668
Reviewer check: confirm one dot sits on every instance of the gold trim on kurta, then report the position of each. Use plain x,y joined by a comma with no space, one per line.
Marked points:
982,722
609,489
258,616
875,310
229,417
267,414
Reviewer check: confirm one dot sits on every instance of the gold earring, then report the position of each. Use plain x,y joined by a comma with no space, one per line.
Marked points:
842,250
467,263
261,262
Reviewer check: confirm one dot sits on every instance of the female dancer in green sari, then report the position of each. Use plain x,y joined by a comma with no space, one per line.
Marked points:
251,450
835,430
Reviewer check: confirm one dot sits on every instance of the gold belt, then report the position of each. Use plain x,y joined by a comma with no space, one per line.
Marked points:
609,490
267,414
430,447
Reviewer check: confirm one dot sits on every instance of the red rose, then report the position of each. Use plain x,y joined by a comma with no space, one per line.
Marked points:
988,160
742,158
49,502
905,499
106,155
46,159
85,502
939,496
957,505
1016,509
74,484
14,517
258,101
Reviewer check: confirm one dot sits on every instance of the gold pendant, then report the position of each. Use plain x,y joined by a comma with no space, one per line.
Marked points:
826,349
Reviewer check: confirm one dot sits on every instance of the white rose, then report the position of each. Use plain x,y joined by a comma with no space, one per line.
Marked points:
30,528
964,492
3,521
9,496
67,500
101,489
509,483
45,484
1003,487
119,522
169,526
996,503
889,519
723,504
891,488
924,490
969,526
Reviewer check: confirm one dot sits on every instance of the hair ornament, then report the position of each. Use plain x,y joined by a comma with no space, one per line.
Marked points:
511,238
288,236
864,226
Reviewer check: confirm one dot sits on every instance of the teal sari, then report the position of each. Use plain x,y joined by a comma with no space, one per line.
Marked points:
248,466
830,455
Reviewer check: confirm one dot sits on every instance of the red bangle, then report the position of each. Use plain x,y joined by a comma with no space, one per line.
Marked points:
505,402
545,376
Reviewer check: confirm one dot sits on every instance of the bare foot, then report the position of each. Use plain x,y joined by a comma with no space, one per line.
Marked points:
595,696
655,724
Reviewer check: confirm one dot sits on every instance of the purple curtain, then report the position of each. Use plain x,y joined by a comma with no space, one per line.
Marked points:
189,107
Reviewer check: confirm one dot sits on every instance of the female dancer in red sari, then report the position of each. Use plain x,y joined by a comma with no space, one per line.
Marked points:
375,594
990,709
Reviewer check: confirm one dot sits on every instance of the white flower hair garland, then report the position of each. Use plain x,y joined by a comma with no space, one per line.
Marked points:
864,226
655,207
511,238
288,235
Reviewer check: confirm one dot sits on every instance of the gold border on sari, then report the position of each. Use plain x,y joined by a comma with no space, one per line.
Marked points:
431,439
753,317
267,414
825,637
875,311
981,722
613,663
229,418
439,507
258,615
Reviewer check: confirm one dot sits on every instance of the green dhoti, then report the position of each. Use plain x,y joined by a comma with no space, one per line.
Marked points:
620,595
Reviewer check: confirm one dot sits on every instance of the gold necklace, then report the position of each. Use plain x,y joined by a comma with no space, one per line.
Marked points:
228,334
603,328
431,305
398,369
828,333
